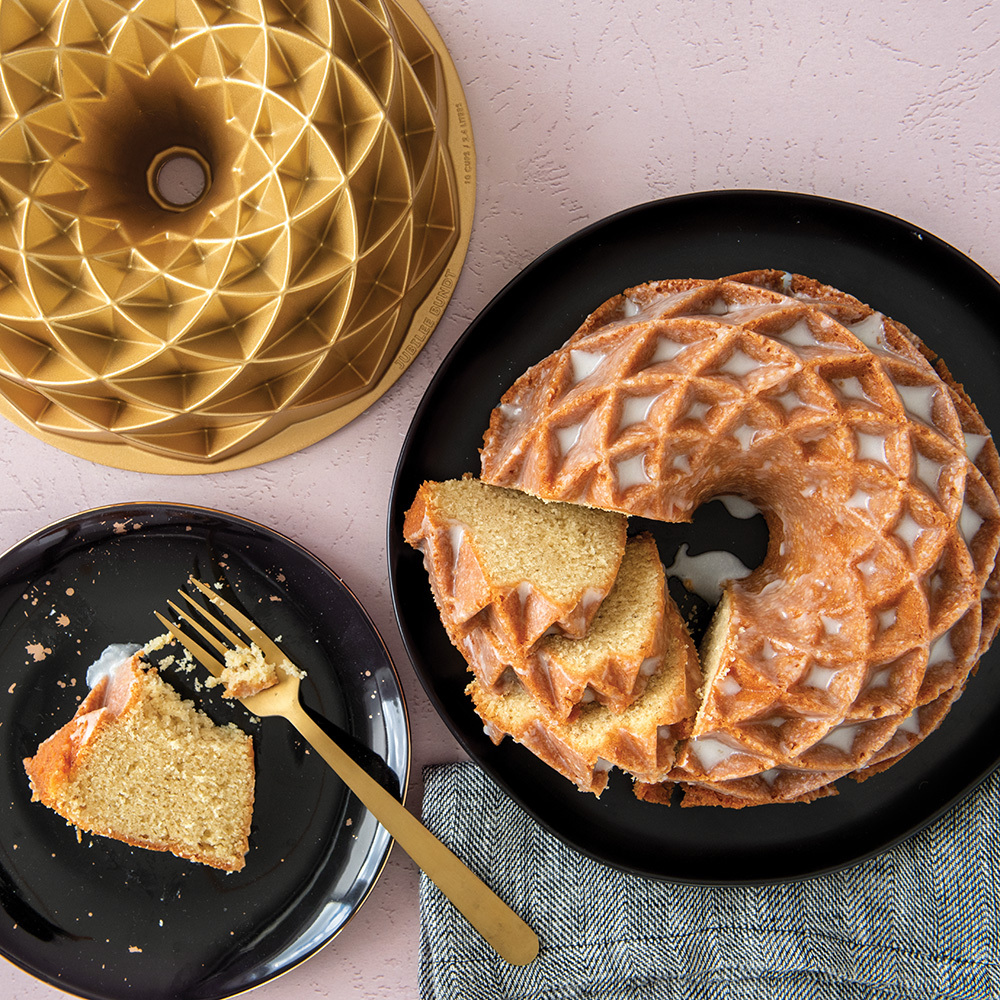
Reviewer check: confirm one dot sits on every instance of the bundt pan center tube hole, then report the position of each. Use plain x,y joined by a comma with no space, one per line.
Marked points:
178,178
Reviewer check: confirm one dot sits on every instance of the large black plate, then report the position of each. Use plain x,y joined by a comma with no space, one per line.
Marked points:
103,920
912,276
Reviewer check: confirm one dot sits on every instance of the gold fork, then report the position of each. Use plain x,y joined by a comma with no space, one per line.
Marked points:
503,929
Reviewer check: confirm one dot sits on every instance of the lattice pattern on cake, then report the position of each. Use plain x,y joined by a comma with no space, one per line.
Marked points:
287,292
877,477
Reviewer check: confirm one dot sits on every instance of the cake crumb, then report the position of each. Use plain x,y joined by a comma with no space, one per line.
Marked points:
157,643
70,591
63,620
37,650
134,948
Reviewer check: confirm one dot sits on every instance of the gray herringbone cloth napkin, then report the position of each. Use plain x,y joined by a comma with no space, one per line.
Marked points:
919,921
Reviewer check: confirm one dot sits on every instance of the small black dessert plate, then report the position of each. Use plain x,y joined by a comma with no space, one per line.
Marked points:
102,920
904,272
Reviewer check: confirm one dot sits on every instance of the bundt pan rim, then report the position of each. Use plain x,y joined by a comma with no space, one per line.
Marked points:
457,152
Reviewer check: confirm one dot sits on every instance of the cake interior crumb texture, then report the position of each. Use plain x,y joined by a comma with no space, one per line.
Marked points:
577,539
139,764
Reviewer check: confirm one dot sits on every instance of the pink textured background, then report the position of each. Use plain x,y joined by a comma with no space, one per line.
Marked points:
578,113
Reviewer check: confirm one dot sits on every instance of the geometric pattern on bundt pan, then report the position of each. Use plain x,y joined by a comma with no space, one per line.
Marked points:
877,477
267,313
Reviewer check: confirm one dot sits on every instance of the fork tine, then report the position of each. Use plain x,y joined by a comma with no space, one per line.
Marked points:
209,662
212,620
272,653
217,643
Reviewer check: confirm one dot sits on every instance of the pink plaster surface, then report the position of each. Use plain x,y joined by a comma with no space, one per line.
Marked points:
580,110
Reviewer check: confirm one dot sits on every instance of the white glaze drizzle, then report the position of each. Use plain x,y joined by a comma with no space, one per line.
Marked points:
941,650
880,679
730,686
584,363
908,531
918,401
799,334
871,447
739,364
631,472
697,410
666,350
705,574
791,400
928,472
870,330
650,665
710,752
456,535
974,444
868,566
738,507
635,410
840,737
745,434
969,523
820,677
568,437
831,626
108,662
887,618
860,500
851,388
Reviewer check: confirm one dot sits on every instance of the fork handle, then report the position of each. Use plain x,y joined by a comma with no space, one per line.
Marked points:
502,928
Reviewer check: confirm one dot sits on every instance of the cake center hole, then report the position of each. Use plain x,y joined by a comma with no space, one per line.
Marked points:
726,539
178,178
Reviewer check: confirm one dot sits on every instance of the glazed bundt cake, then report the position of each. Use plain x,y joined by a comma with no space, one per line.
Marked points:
518,566
138,764
876,474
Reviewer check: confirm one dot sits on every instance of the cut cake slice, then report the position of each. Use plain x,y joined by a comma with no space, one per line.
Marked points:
523,566
138,764
610,664
640,740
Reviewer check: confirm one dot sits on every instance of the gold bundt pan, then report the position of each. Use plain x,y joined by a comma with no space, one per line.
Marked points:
280,295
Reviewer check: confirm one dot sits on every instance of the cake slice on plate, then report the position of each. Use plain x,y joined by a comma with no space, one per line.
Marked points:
139,764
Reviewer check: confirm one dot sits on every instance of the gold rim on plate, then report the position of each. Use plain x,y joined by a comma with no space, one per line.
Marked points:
227,227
